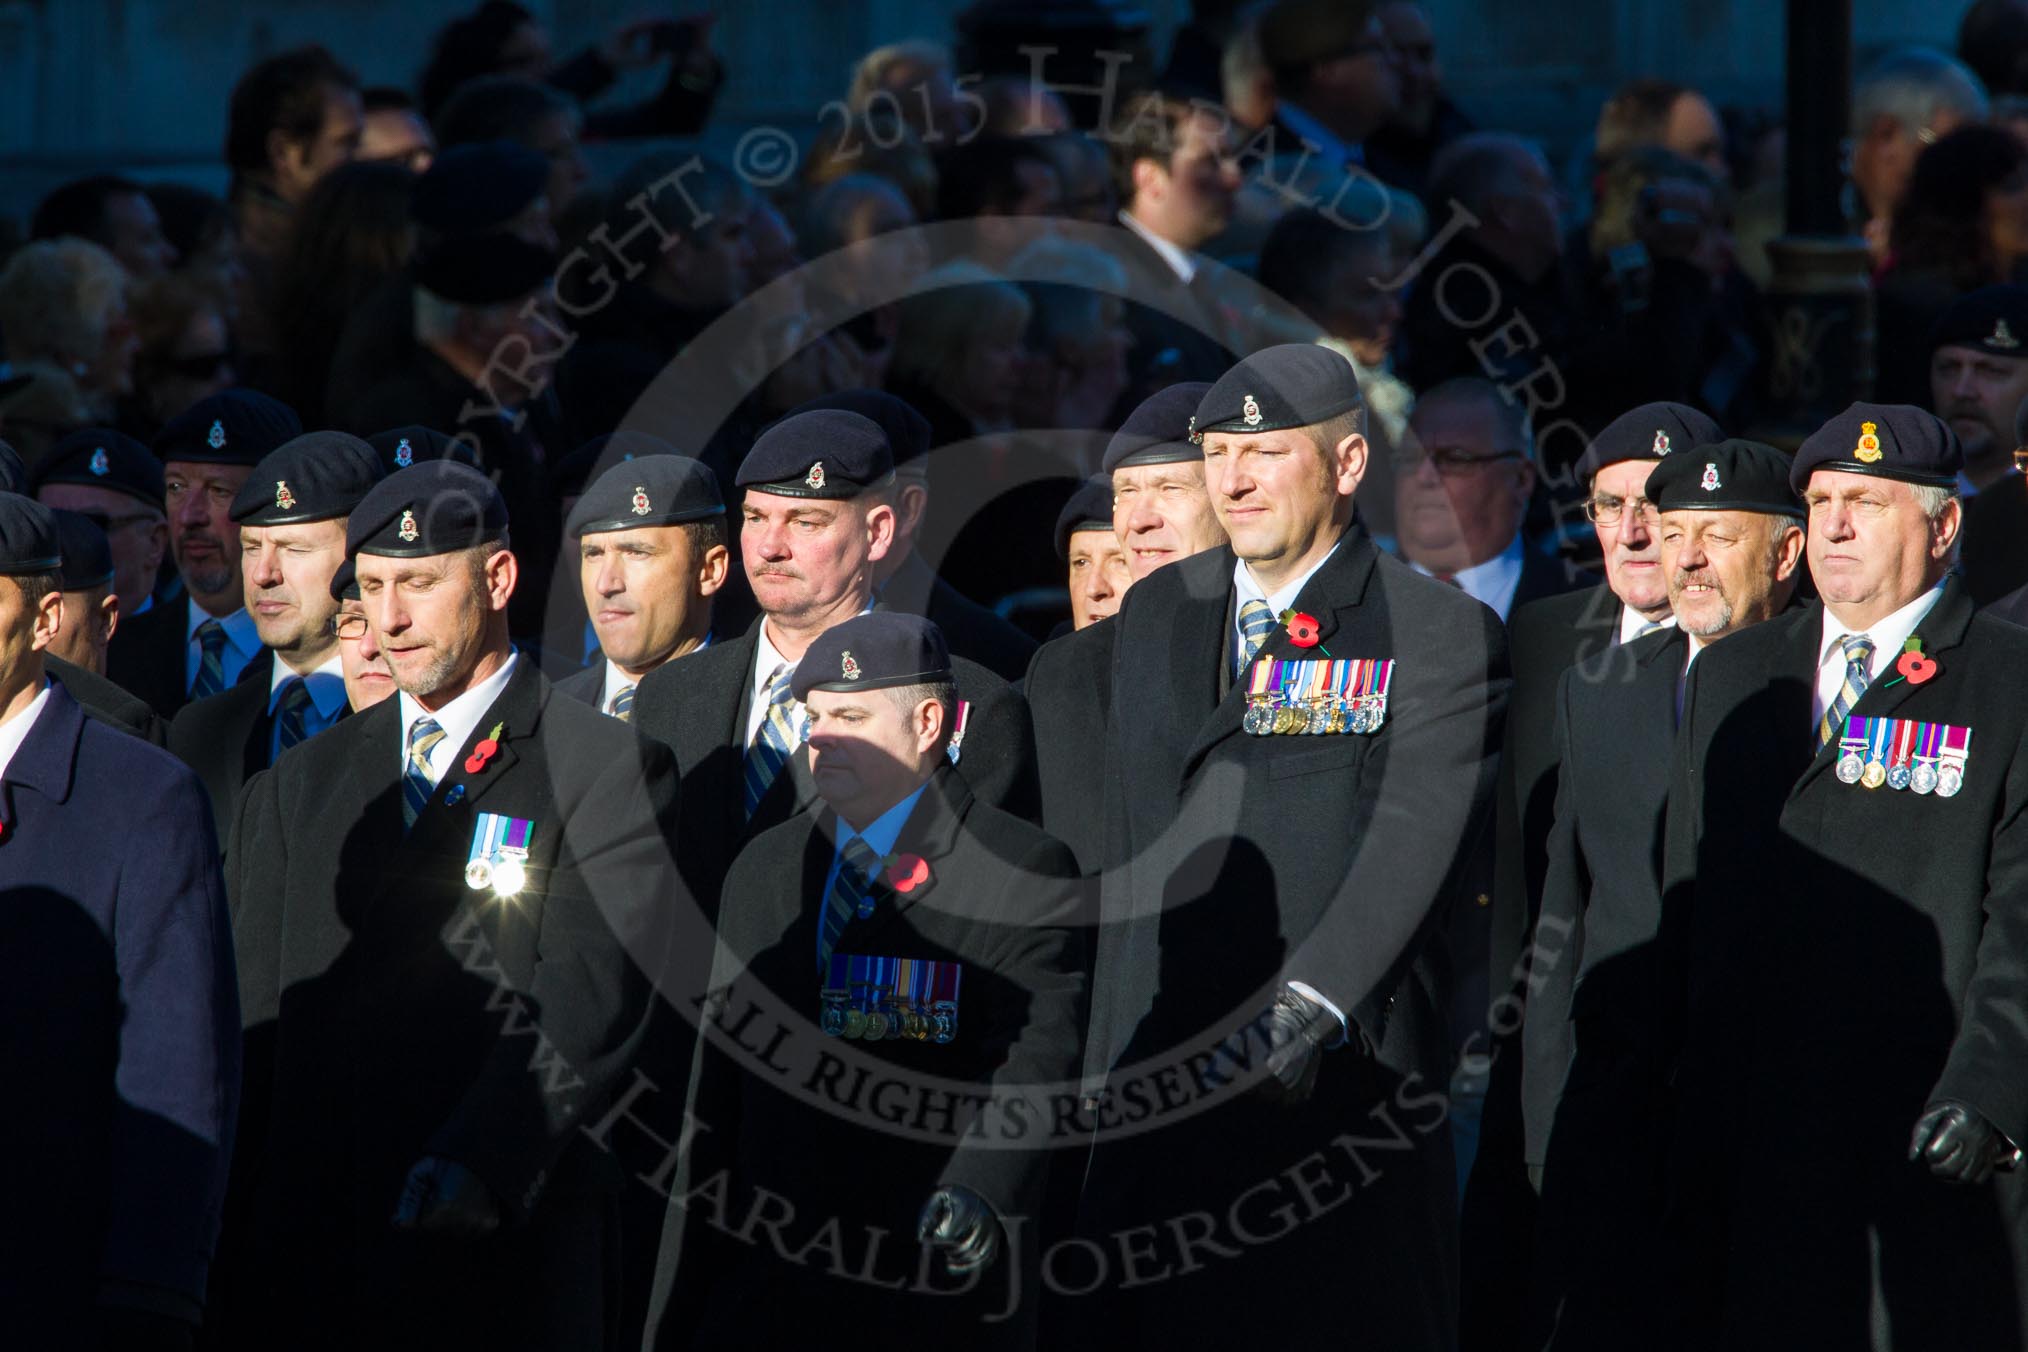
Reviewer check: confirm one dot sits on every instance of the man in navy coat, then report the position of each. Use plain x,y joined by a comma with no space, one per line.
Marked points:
119,1017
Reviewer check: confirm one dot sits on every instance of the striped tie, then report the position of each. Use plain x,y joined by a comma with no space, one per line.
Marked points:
416,783
1255,622
1858,652
623,705
775,742
847,894
292,724
211,660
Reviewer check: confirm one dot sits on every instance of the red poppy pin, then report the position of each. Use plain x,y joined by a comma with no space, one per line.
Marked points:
488,748
1304,631
906,872
1913,666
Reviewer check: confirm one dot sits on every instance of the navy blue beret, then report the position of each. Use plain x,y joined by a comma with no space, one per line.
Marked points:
489,269
234,427
588,462
87,554
1089,508
13,473
478,186
1290,385
908,432
400,447
1157,432
874,651
1893,441
1648,432
437,507
103,458
825,453
1993,320
1726,476
315,477
654,490
345,582
28,539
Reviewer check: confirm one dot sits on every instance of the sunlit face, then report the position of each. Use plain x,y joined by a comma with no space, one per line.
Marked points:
26,628
1872,549
1462,485
1162,513
288,582
1726,569
809,556
1190,200
645,589
1098,576
429,616
1631,547
368,680
89,617
202,535
868,752
1277,494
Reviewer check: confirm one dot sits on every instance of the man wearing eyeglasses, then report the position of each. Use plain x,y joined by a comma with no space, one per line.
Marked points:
291,517
1461,489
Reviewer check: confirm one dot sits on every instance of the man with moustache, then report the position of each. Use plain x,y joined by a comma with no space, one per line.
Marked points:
1161,511
442,911
1978,382
1732,548
197,645
650,537
1276,916
897,866
291,520
115,480
815,522
1845,996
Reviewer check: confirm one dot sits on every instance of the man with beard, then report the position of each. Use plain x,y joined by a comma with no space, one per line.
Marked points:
291,520
1732,547
441,908
1978,382
189,647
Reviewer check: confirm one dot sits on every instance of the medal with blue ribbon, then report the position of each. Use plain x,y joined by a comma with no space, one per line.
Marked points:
498,860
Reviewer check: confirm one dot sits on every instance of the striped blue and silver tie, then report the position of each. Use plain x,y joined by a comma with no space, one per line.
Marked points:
848,892
1256,621
622,706
775,741
210,660
292,721
417,784
1858,652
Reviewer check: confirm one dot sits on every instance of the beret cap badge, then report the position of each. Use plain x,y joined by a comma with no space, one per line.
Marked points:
2002,336
1709,483
408,530
1868,450
641,505
404,454
101,465
216,440
815,478
284,499
1249,412
847,667
1661,442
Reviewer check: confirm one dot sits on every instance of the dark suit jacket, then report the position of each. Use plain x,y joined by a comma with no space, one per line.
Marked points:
108,703
698,707
225,737
1069,691
149,654
1235,864
1180,333
393,1013
1840,957
998,901
1994,553
971,630
118,1026
587,686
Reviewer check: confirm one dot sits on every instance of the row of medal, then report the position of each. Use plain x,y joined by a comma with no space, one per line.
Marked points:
1904,754
1288,698
876,999
499,854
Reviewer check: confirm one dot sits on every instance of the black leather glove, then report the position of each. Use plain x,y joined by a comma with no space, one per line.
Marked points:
128,1330
1959,1144
961,1223
442,1197
1298,1028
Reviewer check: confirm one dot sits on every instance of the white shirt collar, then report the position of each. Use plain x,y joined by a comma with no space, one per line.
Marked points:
766,658
1492,583
616,681
1632,622
1327,142
1249,590
1888,634
1180,261
457,719
15,730
325,682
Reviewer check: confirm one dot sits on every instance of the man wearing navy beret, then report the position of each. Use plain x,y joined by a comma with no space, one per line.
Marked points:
960,916
1845,919
118,1016
116,481
441,908
1301,746
1732,547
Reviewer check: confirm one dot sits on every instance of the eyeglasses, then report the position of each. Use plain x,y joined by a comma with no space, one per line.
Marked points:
1607,511
348,625
1450,460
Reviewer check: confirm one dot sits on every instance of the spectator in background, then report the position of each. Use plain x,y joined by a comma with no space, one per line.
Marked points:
200,228
860,230
113,213
185,352
1087,174
1978,380
294,118
911,80
1662,113
879,143
64,321
1015,105
1246,85
2010,111
958,357
1075,372
1902,103
510,108
501,38
1401,151
394,131
1335,77
1004,188
1962,225
353,234
1993,41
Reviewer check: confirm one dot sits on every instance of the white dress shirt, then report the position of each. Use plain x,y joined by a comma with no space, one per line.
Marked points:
766,660
616,681
1492,583
242,642
1888,636
1633,624
457,719
15,730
